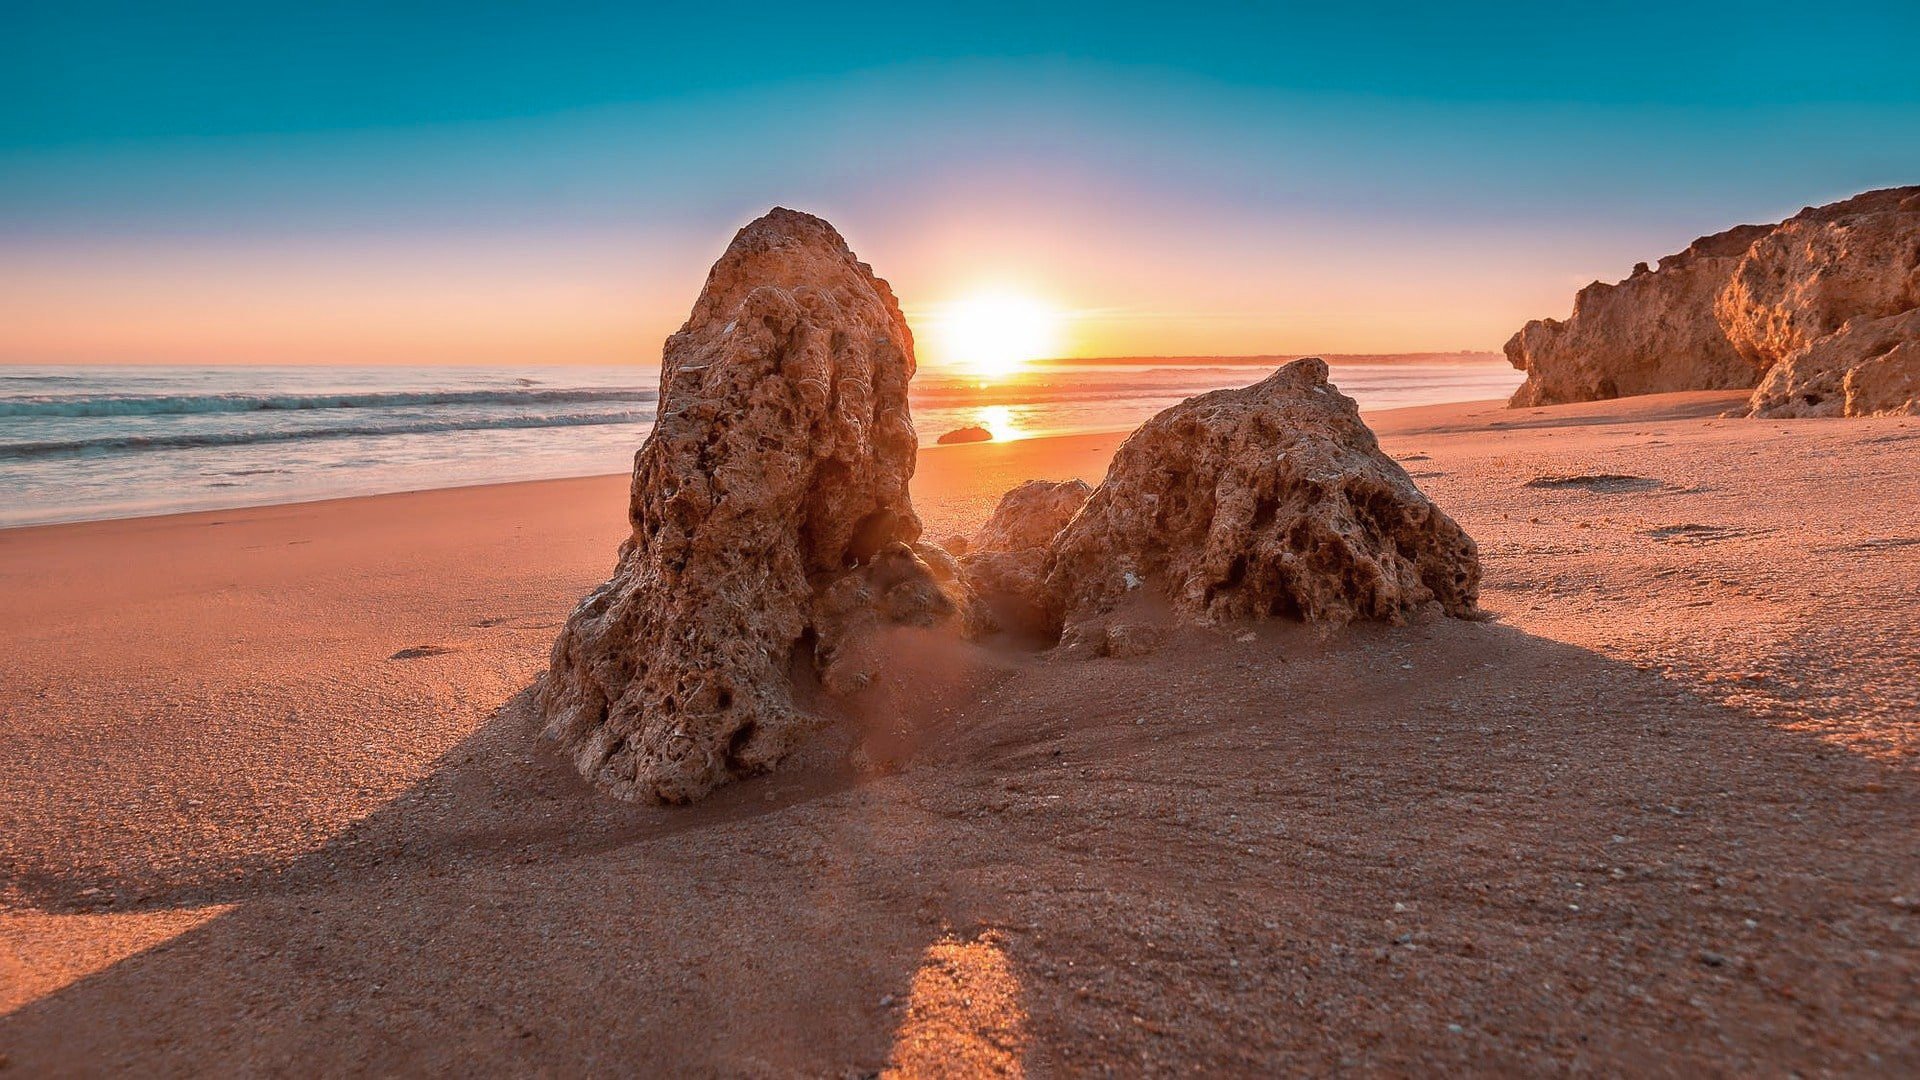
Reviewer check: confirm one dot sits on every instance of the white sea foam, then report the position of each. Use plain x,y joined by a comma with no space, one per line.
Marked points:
80,404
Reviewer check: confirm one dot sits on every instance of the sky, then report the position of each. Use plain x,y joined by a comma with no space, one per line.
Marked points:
548,183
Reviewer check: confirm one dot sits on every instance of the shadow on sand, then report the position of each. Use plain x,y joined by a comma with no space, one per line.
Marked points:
1451,845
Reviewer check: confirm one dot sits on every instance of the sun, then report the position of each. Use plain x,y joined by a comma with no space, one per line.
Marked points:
994,334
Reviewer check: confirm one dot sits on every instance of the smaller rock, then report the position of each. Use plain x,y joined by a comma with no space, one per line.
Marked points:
1012,584
902,585
1119,640
1127,640
969,434
1030,515
1006,564
1269,500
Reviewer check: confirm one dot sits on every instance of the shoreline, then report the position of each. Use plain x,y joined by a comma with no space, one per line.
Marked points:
1038,446
1663,405
107,445
1374,418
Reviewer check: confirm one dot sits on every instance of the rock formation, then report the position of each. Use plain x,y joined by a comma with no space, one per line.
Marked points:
1031,515
965,435
1817,270
1828,305
1735,307
1270,500
772,529
1868,367
1652,333
1006,564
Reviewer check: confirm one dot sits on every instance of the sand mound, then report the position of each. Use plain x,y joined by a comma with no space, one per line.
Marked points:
771,527
1270,500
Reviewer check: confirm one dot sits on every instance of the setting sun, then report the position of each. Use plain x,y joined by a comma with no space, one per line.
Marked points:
993,334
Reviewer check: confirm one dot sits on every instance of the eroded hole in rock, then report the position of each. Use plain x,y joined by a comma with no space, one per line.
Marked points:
874,531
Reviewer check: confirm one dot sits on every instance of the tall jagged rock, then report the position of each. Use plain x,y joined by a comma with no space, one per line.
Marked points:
1270,500
772,529
1736,306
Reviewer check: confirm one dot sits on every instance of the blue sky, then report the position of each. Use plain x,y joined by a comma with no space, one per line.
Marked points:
519,183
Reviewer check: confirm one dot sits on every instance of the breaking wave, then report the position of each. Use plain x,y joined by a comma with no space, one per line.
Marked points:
112,443
176,404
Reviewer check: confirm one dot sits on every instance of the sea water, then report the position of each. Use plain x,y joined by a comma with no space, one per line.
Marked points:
80,443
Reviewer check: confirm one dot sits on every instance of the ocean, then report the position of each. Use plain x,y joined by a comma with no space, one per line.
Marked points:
83,443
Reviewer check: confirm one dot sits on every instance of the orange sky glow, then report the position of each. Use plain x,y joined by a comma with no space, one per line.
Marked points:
613,298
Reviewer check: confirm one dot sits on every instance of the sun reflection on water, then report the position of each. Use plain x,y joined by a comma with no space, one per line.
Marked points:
1001,420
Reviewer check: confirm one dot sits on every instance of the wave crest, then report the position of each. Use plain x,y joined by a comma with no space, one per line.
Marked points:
112,443
174,404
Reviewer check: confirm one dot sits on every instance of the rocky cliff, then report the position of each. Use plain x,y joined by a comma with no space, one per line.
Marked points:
1750,306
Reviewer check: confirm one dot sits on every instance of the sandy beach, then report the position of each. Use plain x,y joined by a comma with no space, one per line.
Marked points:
272,804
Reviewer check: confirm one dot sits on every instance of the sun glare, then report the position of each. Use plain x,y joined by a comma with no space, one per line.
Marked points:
1000,420
994,334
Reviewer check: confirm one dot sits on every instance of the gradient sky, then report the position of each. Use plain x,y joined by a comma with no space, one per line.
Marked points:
493,183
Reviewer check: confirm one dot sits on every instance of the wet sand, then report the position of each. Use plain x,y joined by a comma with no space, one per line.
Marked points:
269,802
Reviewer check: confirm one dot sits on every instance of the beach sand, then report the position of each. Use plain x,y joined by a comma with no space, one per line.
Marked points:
269,801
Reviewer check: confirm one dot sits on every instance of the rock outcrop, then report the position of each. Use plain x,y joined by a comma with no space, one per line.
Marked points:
772,530
1031,515
1270,500
1821,268
1736,306
1652,333
1869,367
1006,563
970,434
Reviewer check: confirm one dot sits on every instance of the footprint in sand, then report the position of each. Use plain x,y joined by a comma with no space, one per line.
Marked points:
1690,533
1599,483
418,651
1882,543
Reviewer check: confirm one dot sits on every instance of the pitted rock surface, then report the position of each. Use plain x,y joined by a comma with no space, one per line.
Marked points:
772,526
1858,259
1869,367
1030,515
1269,500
